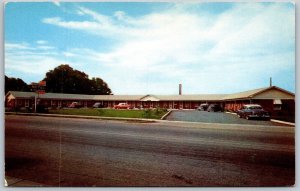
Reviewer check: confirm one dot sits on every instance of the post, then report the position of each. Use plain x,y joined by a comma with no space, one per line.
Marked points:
35,100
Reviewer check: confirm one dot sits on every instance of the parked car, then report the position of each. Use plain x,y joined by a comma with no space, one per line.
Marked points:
249,111
41,108
98,105
75,105
203,107
122,106
214,108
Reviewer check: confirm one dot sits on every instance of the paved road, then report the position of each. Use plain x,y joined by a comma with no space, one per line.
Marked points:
214,117
81,152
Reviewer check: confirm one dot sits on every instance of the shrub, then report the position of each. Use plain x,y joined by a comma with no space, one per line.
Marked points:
147,113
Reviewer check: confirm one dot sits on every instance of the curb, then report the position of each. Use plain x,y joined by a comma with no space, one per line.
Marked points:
230,113
283,122
166,115
273,120
84,117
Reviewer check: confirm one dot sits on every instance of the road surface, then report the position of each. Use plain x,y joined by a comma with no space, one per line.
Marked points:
84,152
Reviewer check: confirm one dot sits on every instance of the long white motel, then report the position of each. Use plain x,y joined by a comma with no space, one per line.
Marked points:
277,101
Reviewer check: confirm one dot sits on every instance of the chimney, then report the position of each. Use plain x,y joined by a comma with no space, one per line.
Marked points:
270,81
180,89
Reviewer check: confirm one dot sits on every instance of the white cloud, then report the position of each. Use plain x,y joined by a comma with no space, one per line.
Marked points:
16,46
57,3
41,42
120,15
30,60
68,54
72,24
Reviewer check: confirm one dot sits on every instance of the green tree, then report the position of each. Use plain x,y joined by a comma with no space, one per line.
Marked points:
15,84
98,86
64,79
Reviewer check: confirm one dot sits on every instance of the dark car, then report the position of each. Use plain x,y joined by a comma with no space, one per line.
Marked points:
214,108
203,107
253,111
41,108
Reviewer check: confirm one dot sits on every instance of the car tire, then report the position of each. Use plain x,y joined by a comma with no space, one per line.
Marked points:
239,116
247,117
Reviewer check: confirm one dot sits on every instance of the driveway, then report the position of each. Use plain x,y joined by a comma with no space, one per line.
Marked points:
214,117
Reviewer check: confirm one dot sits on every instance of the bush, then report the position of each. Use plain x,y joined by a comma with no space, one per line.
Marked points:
159,111
147,113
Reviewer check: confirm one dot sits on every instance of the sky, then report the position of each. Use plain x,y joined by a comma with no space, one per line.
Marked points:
150,48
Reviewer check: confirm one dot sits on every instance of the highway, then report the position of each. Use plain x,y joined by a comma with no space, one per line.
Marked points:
89,152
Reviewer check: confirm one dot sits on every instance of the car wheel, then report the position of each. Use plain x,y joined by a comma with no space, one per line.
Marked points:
247,117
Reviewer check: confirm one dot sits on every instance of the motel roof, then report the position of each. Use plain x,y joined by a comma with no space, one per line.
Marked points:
195,97
271,92
253,94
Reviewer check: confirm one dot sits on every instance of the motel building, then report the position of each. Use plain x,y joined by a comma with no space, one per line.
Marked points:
277,101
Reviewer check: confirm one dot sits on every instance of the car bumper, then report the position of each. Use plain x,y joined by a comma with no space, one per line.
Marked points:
259,116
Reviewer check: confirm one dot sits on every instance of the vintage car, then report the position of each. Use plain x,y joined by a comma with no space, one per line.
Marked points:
75,105
122,106
98,105
214,108
249,111
203,107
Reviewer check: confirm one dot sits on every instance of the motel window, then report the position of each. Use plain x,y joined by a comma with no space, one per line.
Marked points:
277,104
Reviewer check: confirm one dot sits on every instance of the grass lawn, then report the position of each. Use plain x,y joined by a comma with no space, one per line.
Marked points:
148,114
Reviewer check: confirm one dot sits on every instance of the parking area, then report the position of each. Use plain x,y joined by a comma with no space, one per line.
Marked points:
214,117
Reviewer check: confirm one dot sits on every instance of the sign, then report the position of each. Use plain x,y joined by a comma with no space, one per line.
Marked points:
39,88
42,83
40,92
34,86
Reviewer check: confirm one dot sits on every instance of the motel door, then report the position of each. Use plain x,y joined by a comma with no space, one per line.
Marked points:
180,105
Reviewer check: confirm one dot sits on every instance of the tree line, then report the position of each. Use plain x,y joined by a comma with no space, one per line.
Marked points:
63,79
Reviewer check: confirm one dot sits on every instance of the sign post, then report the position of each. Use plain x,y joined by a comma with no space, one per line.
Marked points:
39,88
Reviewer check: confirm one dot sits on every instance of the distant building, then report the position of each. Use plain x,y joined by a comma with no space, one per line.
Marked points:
277,101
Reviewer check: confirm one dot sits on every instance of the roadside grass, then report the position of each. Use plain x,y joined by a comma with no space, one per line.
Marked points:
147,114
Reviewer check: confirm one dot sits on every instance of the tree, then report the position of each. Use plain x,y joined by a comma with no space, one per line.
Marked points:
99,87
15,84
64,79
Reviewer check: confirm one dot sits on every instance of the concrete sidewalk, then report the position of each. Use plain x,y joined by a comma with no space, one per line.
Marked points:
17,182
